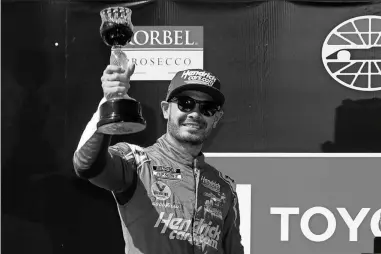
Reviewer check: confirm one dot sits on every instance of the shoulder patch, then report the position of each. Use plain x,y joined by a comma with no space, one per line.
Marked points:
229,181
129,152
139,154
232,186
123,150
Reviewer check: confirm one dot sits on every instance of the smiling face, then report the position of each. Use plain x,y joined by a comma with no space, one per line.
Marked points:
190,127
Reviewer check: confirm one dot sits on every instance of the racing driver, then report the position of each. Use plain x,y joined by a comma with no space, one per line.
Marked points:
169,199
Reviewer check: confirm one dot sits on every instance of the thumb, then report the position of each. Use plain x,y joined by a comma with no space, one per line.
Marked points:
130,69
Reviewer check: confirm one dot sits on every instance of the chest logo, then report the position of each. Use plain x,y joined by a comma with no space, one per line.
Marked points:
160,190
197,232
212,185
166,172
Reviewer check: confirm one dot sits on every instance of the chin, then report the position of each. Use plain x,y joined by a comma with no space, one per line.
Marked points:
192,138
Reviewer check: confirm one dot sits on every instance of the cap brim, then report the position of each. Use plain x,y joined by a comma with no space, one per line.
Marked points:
213,92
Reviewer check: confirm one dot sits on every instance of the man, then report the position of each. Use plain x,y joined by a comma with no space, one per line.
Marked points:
169,199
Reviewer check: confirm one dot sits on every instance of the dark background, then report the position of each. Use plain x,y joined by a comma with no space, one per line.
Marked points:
266,53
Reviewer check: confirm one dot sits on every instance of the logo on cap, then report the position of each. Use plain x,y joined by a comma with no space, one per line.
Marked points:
198,77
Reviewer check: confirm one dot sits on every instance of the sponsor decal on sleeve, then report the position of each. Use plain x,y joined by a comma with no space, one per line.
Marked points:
214,205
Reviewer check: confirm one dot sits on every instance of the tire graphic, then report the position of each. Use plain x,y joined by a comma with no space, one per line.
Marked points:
351,53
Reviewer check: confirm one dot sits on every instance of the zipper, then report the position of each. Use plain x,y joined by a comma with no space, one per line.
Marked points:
196,178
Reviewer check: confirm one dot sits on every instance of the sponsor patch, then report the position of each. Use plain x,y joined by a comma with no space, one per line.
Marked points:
214,205
165,205
160,190
212,185
167,175
166,172
204,234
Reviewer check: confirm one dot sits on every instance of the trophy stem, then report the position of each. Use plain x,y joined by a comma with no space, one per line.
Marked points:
119,58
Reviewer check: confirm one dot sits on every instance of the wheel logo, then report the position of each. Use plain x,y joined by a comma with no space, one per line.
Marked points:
351,53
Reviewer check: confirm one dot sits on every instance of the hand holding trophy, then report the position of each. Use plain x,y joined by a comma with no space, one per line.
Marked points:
120,114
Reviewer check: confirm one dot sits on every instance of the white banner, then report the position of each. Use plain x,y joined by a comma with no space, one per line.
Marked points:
244,201
160,51
162,64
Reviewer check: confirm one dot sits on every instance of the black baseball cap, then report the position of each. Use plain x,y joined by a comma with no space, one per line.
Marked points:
196,79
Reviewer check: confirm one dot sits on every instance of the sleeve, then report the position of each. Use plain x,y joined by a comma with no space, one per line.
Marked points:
232,237
109,167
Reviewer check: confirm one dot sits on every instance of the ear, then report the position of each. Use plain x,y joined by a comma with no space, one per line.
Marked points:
165,109
217,118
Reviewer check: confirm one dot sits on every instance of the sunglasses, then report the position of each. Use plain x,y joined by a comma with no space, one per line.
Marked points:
187,104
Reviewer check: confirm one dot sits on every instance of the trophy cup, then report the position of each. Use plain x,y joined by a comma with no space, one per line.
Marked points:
120,114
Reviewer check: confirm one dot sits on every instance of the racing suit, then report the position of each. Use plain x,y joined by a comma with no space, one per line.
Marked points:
168,201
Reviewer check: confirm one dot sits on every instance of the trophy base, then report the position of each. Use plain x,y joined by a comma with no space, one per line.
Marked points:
121,128
120,117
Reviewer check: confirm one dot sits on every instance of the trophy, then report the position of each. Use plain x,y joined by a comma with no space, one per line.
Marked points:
120,114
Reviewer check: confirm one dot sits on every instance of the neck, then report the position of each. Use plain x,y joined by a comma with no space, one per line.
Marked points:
185,147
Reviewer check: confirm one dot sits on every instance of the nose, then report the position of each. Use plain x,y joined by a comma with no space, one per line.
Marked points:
195,113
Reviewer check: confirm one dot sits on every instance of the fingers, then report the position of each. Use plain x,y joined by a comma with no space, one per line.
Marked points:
113,72
112,84
115,79
110,69
113,87
130,69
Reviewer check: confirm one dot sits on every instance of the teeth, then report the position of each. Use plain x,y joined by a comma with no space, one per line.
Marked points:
192,125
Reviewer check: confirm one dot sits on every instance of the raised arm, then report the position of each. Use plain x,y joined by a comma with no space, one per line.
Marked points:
111,168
